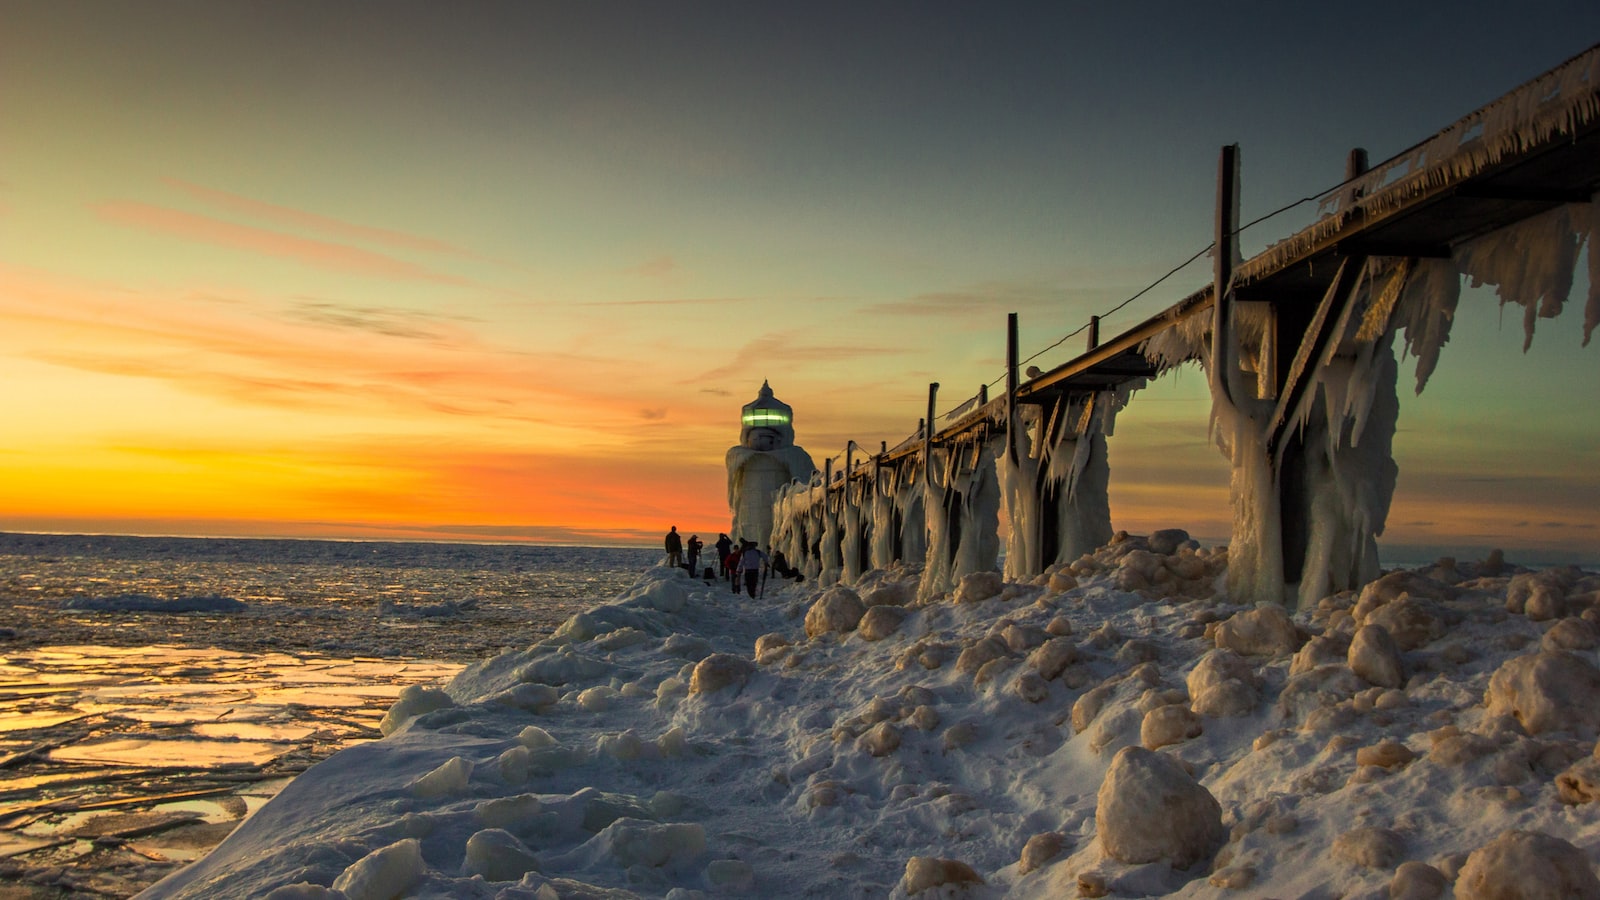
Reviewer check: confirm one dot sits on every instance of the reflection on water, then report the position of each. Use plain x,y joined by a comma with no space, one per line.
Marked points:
119,764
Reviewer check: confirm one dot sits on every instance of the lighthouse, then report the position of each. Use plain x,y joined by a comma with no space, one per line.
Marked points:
765,459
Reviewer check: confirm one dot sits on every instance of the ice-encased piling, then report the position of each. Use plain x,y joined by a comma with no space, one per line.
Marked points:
961,503
1056,479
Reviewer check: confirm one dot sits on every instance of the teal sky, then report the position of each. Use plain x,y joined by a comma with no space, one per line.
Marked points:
511,268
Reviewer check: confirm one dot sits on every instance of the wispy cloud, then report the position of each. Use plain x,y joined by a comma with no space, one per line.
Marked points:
386,321
320,254
659,267
684,301
308,221
787,350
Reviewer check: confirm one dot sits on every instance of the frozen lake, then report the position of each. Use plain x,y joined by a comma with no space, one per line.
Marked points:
153,691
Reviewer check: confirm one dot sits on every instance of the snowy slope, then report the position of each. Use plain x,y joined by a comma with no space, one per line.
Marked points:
649,749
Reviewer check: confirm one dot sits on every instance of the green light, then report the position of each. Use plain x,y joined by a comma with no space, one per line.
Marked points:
767,417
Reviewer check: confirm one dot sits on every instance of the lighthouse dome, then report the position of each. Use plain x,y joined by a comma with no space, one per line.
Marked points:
766,423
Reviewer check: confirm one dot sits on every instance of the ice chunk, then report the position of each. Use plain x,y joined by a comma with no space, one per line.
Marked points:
1150,809
414,700
634,842
447,780
531,697
497,855
508,812
305,890
535,738
384,873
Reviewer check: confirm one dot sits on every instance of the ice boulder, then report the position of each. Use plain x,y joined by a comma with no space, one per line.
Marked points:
384,873
1528,865
529,697
636,842
1539,595
413,701
731,876
978,586
1322,650
1040,850
497,855
1394,585
980,653
1168,725
1370,847
1167,541
770,648
1053,657
880,622
686,646
1149,808
881,739
890,593
508,812
1580,783
1411,621
837,610
447,780
1375,656
1222,684
1417,881
1551,690
1570,634
720,670
926,872
1263,631
304,890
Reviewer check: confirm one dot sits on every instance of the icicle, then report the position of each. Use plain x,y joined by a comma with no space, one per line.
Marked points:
1530,264
1591,235
1426,310
1560,102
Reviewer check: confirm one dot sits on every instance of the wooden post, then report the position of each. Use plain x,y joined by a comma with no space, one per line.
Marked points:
827,482
1011,385
1225,247
927,435
983,395
1094,332
1355,166
849,469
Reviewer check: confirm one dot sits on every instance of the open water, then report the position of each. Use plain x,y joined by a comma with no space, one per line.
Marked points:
153,691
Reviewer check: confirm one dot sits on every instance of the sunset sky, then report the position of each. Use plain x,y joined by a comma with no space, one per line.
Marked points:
498,271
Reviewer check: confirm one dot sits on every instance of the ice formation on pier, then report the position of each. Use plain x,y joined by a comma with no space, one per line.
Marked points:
1056,478
1325,489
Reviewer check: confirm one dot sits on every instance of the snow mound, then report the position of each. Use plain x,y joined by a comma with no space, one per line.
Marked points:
997,744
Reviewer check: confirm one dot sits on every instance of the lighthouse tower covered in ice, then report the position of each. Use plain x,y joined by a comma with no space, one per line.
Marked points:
765,460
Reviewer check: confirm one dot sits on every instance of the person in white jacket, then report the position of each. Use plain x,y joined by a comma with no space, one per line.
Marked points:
751,560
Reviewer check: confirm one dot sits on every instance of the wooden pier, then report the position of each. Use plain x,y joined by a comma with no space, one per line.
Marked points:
1292,319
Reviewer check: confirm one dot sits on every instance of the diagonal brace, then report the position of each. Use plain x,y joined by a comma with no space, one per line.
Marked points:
1316,348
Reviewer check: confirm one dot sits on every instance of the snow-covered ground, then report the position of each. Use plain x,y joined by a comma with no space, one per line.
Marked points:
1431,736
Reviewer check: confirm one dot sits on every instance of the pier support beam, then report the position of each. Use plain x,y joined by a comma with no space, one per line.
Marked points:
1058,485
1312,471
961,500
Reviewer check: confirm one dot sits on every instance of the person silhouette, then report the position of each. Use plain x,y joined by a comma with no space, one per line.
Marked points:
674,548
